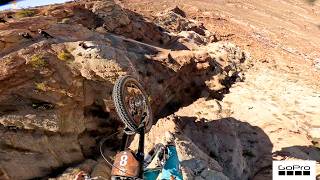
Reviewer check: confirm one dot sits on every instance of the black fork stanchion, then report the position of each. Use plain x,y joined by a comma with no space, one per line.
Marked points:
140,154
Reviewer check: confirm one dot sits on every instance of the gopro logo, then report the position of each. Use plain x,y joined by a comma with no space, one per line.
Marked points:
294,170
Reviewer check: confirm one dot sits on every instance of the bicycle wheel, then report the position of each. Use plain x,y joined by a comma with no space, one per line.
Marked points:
131,102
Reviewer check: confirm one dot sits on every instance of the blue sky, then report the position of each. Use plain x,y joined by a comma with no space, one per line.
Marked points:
31,3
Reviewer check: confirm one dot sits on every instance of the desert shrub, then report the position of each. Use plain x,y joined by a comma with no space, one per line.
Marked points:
41,86
25,13
64,56
37,61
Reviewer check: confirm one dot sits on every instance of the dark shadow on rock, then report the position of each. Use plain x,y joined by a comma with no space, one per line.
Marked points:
244,151
300,152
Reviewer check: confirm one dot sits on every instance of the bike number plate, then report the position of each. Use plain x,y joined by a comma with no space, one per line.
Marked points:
125,165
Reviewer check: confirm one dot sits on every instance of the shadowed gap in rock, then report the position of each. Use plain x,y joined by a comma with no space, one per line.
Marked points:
230,141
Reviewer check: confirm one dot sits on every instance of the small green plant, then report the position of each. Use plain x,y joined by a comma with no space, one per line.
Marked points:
41,86
64,56
37,61
25,13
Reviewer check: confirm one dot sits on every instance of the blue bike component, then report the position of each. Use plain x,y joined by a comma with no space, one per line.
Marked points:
170,169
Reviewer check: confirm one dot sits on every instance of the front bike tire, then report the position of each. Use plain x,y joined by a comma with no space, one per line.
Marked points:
118,96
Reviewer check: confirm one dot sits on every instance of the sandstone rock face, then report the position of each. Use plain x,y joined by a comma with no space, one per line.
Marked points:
55,94
111,13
